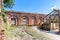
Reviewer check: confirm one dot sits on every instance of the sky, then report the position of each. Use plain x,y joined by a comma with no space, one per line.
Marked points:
35,6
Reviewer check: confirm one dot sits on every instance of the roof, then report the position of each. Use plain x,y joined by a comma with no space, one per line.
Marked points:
26,12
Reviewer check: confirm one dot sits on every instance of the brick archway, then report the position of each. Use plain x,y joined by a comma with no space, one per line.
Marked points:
13,20
24,20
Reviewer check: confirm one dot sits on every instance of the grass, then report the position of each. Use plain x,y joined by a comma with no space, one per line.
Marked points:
31,32
22,31
25,30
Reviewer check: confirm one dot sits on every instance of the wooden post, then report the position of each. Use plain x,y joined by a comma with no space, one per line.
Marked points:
50,23
59,22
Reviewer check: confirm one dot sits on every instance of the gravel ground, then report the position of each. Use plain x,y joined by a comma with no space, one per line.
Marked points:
47,36
31,33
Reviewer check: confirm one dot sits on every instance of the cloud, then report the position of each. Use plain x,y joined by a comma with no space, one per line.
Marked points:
54,7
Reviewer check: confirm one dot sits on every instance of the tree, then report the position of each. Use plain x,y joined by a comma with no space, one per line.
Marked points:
6,4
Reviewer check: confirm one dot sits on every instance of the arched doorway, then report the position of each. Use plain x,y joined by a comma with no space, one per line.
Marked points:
24,20
13,20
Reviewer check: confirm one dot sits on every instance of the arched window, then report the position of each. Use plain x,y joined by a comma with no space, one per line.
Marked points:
24,20
13,20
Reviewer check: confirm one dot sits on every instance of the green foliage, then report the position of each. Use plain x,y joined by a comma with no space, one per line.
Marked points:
45,26
8,3
5,24
7,27
3,14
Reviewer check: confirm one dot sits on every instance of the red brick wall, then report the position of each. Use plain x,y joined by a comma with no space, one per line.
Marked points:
20,15
2,35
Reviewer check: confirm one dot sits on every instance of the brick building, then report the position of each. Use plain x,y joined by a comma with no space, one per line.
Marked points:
24,18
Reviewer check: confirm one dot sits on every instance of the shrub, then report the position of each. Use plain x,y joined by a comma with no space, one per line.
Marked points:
44,26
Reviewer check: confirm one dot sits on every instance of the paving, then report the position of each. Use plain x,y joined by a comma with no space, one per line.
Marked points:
52,31
48,36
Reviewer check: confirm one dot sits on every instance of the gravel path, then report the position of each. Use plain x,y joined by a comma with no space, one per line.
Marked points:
32,33
47,36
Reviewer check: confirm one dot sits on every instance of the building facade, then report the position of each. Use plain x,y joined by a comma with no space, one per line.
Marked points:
23,18
53,19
